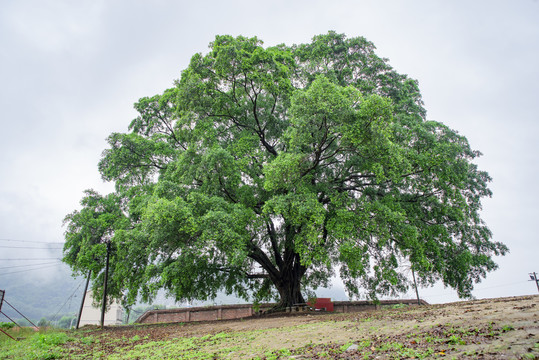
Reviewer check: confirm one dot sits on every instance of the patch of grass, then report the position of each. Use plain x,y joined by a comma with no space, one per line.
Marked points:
367,319
308,339
507,328
385,349
410,353
274,355
43,345
399,306
346,346
364,344
390,346
6,325
87,340
205,347
456,340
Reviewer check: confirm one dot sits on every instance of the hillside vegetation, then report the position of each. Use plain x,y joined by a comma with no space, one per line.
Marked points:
51,293
505,328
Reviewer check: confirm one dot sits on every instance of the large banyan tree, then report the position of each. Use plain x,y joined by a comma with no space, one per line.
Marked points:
264,171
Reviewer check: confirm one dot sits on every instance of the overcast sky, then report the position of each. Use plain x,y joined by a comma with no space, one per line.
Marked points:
71,71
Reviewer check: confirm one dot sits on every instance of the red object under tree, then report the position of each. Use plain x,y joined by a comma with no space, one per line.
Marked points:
322,304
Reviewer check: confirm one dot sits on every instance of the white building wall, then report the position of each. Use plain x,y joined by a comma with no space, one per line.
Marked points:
92,315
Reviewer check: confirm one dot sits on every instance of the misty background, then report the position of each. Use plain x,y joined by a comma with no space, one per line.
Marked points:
71,71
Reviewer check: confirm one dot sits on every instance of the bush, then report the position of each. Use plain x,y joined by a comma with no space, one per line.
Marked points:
6,325
43,322
66,321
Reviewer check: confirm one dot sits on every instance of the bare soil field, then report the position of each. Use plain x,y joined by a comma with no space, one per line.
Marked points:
503,328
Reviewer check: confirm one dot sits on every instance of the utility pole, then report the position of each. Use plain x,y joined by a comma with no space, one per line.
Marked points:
533,277
83,297
103,307
415,285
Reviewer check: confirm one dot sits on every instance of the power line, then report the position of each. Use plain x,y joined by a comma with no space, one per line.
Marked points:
483,288
68,299
39,268
17,266
29,241
501,285
29,247
30,259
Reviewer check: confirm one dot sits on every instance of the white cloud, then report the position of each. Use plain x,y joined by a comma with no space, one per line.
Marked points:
53,26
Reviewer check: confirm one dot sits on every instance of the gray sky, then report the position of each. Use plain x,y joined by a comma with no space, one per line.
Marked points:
71,71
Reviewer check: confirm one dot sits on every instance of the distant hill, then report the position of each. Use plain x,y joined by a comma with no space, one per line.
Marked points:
48,290
39,294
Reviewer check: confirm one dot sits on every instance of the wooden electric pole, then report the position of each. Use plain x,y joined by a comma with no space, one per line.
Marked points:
415,285
104,306
82,301
533,277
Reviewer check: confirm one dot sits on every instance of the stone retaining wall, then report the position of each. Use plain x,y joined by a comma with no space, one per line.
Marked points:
226,312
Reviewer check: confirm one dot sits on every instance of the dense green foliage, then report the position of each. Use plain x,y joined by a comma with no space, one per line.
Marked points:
264,170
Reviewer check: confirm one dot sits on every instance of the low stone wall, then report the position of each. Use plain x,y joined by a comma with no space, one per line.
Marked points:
226,312
357,306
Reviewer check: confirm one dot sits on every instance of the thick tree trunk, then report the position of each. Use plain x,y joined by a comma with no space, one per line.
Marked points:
290,294
284,270
289,286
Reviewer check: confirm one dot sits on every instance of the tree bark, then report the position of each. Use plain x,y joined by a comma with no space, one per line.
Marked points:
289,285
290,293
286,273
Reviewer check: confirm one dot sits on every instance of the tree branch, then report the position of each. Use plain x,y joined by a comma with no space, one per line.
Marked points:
261,258
274,245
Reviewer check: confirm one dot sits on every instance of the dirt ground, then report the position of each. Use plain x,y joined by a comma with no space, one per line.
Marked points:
503,328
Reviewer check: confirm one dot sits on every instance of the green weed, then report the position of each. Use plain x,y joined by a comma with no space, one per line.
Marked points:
87,340
43,345
6,325
507,328
456,340
399,306
346,346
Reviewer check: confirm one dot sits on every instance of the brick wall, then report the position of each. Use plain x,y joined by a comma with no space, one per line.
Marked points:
226,312
356,306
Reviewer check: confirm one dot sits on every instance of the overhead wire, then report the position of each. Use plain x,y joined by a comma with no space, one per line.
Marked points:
18,266
30,241
20,271
501,285
47,265
482,288
30,259
407,271
30,247
68,299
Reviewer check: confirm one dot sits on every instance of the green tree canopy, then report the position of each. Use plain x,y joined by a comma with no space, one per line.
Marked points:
263,171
